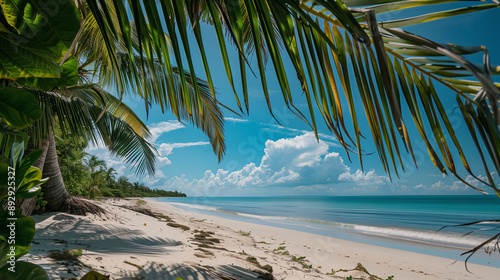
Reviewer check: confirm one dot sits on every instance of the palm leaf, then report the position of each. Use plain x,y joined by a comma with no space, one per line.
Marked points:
309,34
155,80
79,113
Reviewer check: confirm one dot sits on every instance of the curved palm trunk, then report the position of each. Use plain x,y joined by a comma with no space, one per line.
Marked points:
54,191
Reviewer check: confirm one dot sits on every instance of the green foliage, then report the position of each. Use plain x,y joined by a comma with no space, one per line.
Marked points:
66,255
92,275
24,271
302,260
18,107
117,193
22,233
281,251
34,42
140,202
87,175
28,177
70,154
244,233
40,203
22,181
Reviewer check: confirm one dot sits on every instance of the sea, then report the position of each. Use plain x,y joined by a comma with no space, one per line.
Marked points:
411,223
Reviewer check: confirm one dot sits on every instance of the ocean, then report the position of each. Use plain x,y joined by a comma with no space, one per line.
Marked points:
409,223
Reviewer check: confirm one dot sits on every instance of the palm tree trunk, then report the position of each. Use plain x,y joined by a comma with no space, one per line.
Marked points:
54,191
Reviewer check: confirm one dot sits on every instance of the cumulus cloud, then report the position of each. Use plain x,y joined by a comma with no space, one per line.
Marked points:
329,139
289,162
368,178
159,175
157,129
455,186
164,149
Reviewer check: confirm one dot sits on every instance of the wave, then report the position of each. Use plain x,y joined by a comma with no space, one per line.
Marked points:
194,206
260,217
434,237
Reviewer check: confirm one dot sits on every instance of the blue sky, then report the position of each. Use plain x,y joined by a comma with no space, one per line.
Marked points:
264,158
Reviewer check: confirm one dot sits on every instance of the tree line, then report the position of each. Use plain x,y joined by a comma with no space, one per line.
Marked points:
88,176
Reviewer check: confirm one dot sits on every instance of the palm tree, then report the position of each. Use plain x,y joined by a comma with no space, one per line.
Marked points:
87,111
93,163
79,113
123,182
334,46
110,175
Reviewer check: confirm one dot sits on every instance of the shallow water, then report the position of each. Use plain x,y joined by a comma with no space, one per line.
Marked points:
402,222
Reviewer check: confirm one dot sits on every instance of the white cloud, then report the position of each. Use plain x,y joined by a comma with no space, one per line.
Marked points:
159,175
456,186
157,129
165,149
295,131
288,162
229,119
360,178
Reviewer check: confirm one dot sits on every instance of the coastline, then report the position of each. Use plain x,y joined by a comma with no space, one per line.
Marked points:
132,245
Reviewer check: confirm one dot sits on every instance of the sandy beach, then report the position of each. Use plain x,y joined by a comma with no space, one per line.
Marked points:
155,240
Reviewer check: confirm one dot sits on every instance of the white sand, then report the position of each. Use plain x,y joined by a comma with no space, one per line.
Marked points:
129,245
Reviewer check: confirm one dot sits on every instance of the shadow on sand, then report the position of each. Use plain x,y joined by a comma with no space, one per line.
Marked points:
188,272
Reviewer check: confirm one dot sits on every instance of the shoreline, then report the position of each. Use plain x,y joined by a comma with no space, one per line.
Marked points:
131,245
425,241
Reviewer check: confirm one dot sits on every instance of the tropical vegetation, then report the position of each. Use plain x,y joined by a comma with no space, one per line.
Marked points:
88,176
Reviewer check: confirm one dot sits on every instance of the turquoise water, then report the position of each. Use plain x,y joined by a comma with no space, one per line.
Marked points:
402,222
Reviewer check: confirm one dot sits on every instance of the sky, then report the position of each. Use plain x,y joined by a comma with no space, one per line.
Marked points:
264,158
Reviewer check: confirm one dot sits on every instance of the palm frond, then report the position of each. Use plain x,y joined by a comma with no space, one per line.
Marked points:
94,115
333,46
190,99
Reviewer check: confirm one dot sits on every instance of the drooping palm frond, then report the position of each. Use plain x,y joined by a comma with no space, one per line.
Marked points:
190,99
490,245
90,113
340,54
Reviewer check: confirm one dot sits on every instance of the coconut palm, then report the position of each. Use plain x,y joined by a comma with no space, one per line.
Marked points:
79,113
110,175
92,162
88,112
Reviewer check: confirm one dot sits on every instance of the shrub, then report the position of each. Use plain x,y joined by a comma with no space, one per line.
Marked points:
117,193
107,192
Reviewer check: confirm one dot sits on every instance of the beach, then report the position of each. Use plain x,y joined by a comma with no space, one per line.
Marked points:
155,240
